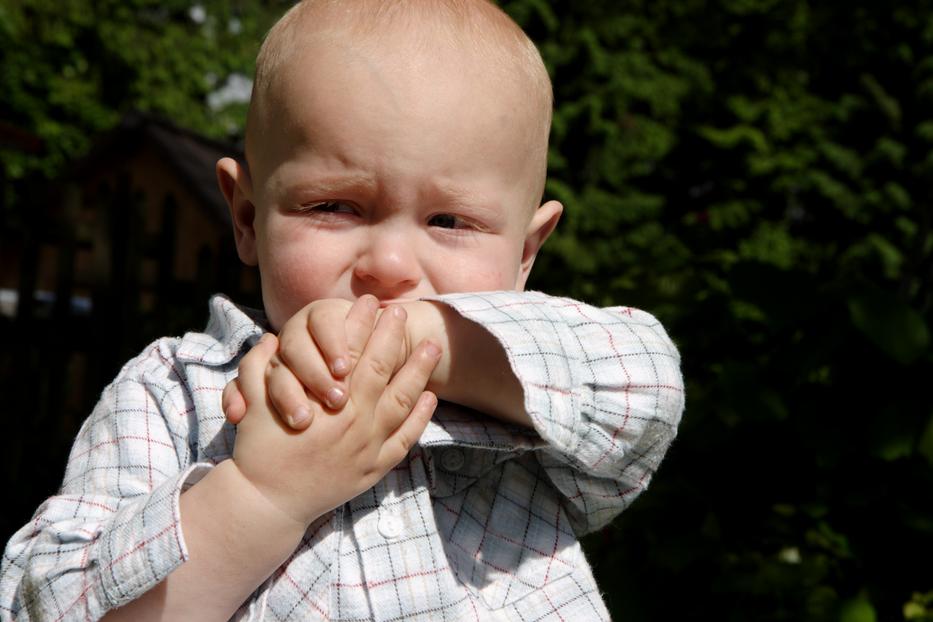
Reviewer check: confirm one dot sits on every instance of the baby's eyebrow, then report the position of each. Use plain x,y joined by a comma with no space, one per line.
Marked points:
463,197
326,186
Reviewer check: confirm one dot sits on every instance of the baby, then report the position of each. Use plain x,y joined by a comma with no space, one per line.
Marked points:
391,197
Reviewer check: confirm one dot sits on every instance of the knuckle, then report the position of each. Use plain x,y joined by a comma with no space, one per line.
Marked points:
403,401
269,371
363,448
347,418
381,367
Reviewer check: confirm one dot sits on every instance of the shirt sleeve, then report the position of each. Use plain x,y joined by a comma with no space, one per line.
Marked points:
113,531
602,387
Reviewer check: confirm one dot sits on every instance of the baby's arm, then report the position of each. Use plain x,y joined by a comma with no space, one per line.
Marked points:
235,537
473,369
601,387
112,531
343,455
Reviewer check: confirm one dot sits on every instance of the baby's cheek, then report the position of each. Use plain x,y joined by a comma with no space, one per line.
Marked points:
476,278
288,285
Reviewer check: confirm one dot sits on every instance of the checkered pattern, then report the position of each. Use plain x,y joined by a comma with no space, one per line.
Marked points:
478,523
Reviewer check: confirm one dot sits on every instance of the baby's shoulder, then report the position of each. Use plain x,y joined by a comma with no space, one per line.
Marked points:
231,330
174,369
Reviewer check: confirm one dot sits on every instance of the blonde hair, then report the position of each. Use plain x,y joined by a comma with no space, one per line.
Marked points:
476,26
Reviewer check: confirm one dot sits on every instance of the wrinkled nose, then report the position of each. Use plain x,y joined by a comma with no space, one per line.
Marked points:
388,268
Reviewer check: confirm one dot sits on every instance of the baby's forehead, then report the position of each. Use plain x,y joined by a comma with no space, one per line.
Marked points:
476,30
480,20
451,44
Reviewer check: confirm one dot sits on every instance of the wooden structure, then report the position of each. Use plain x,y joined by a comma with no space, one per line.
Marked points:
127,248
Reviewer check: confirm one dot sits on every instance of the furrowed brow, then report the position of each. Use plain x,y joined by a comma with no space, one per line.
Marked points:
457,196
333,185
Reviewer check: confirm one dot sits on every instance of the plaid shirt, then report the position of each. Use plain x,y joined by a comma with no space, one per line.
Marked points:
478,523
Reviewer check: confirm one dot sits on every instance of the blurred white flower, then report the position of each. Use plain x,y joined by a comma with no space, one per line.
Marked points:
197,13
236,89
790,555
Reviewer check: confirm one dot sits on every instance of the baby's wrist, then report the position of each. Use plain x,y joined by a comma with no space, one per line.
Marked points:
425,321
272,502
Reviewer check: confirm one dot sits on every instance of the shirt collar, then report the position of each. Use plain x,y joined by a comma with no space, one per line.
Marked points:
230,330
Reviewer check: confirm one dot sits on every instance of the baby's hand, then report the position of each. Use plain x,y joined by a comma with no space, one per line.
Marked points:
318,348
306,474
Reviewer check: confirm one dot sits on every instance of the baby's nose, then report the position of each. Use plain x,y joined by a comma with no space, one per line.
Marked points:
389,267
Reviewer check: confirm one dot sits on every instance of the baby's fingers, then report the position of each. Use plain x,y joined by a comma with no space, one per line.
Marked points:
232,403
251,379
380,359
406,388
359,325
397,446
301,352
326,324
287,395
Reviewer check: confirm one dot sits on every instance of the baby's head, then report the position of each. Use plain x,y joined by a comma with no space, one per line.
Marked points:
392,148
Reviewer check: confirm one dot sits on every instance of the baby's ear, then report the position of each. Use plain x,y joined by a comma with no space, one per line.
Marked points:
542,224
234,181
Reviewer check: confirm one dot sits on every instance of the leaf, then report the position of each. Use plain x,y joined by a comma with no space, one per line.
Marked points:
858,609
896,447
888,105
893,326
733,137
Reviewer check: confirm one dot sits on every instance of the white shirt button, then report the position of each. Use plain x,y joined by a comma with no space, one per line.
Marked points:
452,460
390,527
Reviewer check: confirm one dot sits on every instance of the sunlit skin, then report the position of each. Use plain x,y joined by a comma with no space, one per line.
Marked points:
376,173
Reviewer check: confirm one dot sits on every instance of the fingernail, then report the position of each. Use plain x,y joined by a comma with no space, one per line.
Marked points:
433,350
340,367
334,397
299,416
398,312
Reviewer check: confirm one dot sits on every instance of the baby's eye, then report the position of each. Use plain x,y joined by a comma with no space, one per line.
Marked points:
329,207
446,221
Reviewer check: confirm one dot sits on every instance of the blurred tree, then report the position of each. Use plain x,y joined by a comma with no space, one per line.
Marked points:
758,173
71,68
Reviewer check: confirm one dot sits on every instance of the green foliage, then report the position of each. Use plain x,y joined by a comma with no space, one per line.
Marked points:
757,173
919,608
71,68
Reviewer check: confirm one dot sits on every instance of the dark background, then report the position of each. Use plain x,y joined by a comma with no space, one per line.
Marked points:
757,173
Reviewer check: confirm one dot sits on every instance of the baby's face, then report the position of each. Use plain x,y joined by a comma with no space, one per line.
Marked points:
394,176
